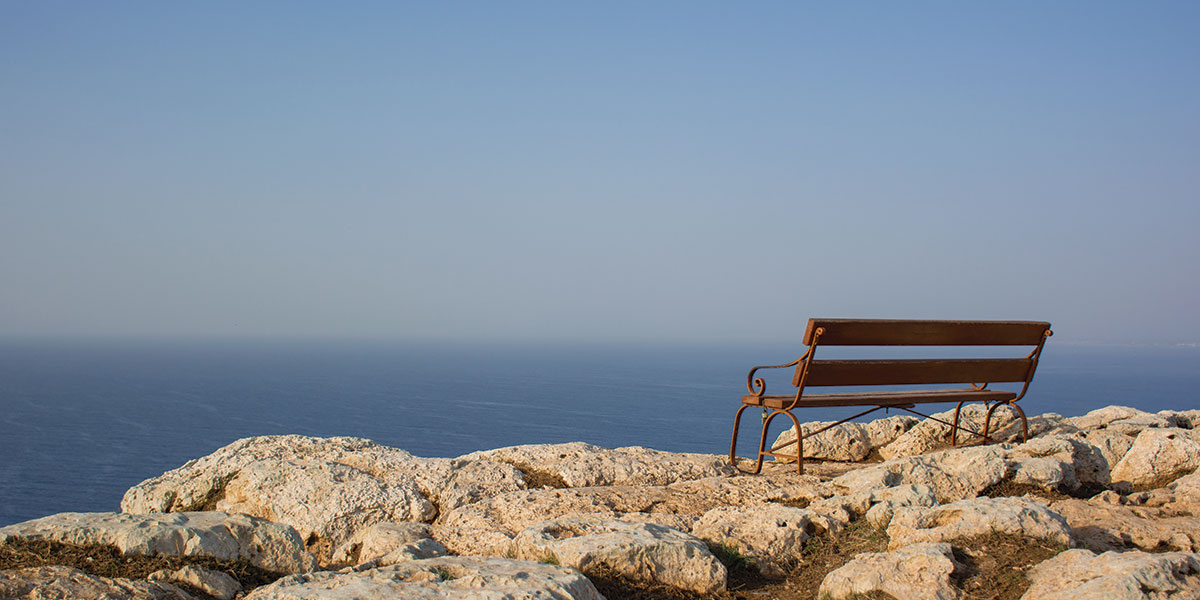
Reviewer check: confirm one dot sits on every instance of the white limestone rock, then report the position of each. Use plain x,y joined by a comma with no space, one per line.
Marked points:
882,432
781,487
214,583
1081,575
914,572
1102,525
977,516
512,512
54,583
772,534
847,442
443,578
586,465
271,546
953,474
1102,418
325,502
640,551
930,435
1157,455
389,543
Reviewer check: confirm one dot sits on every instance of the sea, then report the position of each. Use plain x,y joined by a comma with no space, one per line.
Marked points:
82,421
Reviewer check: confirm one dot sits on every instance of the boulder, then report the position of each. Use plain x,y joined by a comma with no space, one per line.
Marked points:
977,516
585,465
771,534
882,432
953,474
847,442
1102,417
511,512
845,508
268,545
916,572
326,488
640,551
1081,575
214,583
443,578
385,544
1157,457
326,502
1101,526
771,486
930,435
39,583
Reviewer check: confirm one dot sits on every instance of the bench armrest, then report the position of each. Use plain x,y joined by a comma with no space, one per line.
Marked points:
756,386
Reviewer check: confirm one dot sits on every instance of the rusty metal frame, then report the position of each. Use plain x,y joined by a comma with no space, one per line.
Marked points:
758,387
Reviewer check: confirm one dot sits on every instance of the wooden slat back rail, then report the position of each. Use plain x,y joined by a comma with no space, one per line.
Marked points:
913,372
886,332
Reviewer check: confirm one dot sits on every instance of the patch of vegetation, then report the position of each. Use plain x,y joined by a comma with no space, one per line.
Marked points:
795,502
443,574
1008,487
824,554
214,495
537,478
103,560
731,557
550,559
996,564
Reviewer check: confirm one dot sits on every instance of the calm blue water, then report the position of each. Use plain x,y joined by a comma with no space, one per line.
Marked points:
82,422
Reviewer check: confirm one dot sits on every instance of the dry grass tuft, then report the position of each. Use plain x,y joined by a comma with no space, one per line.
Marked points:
103,560
996,564
537,478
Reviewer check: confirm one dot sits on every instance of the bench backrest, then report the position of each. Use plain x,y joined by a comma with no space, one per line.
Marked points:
883,332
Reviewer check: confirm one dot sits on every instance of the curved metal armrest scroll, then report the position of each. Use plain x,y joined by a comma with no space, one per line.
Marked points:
756,386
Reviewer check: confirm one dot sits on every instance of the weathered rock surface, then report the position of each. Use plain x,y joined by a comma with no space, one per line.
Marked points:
1081,575
846,442
929,435
214,583
953,474
47,583
1101,526
444,578
639,551
585,465
385,544
509,513
1157,456
771,534
916,572
271,546
977,516
327,503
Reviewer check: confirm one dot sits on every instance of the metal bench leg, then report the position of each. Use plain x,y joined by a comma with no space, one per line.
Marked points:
954,428
737,420
762,441
987,422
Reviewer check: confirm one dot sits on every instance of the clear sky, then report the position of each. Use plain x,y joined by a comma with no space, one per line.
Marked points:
609,171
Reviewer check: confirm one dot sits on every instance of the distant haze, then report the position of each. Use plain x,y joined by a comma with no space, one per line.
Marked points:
628,171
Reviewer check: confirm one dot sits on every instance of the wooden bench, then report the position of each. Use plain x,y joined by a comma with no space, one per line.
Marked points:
977,372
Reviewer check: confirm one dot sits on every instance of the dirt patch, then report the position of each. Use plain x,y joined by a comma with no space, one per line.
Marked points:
996,564
824,554
103,560
537,478
1008,487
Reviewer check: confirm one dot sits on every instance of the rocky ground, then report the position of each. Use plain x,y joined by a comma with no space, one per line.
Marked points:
1104,505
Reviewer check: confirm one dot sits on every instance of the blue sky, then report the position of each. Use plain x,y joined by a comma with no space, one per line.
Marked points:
619,171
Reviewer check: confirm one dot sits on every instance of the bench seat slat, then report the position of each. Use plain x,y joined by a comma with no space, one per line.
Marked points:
914,371
882,398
